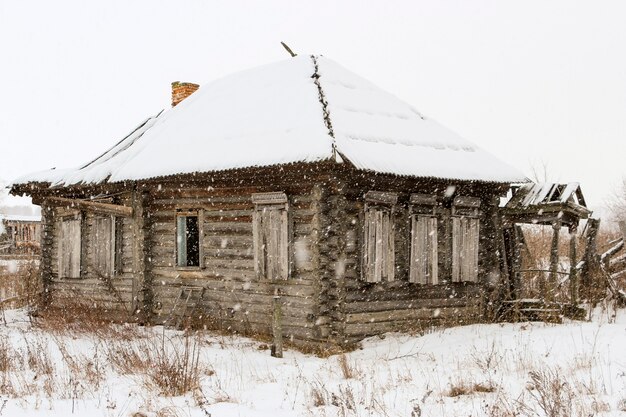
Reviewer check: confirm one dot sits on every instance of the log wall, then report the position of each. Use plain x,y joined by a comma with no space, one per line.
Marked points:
324,299
110,293
234,298
357,309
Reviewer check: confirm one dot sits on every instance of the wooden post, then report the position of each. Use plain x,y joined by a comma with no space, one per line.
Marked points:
591,266
142,287
47,240
84,238
573,273
554,262
517,262
277,326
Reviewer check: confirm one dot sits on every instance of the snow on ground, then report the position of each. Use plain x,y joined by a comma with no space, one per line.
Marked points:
477,370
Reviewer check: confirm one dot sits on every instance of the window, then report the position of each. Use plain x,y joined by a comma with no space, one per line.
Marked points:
70,247
453,230
188,238
378,237
103,243
270,230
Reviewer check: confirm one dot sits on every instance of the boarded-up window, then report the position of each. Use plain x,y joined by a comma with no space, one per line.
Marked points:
188,239
424,259
464,249
103,243
69,247
270,229
378,237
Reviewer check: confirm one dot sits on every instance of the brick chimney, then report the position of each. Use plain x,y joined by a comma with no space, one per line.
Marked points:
181,91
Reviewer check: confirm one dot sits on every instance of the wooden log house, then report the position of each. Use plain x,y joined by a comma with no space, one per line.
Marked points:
298,179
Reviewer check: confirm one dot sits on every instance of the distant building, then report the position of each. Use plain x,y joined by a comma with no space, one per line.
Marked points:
22,235
20,228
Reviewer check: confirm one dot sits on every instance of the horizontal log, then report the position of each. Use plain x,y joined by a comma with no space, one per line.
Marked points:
376,306
411,314
102,208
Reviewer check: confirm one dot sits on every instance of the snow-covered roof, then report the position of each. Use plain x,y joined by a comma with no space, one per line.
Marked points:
20,218
531,194
274,115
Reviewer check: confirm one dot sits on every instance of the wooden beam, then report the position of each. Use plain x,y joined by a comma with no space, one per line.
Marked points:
103,208
277,326
591,266
573,277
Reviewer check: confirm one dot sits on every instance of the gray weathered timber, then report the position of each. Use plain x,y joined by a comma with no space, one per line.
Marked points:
312,250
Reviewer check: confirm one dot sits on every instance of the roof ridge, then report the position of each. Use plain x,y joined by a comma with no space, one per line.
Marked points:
322,98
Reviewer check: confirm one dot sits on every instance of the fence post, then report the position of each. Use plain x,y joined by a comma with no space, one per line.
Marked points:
277,325
591,266
554,262
573,273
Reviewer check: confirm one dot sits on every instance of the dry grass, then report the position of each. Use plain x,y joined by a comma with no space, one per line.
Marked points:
20,286
76,318
466,388
553,394
171,366
348,370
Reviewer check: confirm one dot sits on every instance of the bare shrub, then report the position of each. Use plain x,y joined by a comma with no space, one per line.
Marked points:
552,393
173,369
492,359
38,357
318,394
504,407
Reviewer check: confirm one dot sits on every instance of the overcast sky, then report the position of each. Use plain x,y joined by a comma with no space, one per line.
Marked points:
538,84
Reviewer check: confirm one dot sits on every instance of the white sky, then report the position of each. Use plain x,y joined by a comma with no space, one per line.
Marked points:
536,83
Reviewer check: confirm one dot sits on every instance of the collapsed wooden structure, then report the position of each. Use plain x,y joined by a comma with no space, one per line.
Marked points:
21,238
559,291
352,216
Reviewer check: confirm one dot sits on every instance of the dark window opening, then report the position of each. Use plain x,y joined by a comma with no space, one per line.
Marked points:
188,241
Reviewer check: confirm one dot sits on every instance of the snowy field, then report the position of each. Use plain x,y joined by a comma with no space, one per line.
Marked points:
525,369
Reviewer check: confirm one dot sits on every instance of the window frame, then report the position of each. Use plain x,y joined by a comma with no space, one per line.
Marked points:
275,201
199,214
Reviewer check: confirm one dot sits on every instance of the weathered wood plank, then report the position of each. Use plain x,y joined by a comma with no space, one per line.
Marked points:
103,208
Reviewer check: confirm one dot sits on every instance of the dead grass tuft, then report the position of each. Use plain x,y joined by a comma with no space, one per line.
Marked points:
348,370
173,367
464,388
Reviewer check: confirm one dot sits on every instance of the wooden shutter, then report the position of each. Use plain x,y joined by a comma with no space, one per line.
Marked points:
465,232
378,245
104,245
424,256
70,248
270,230
181,240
